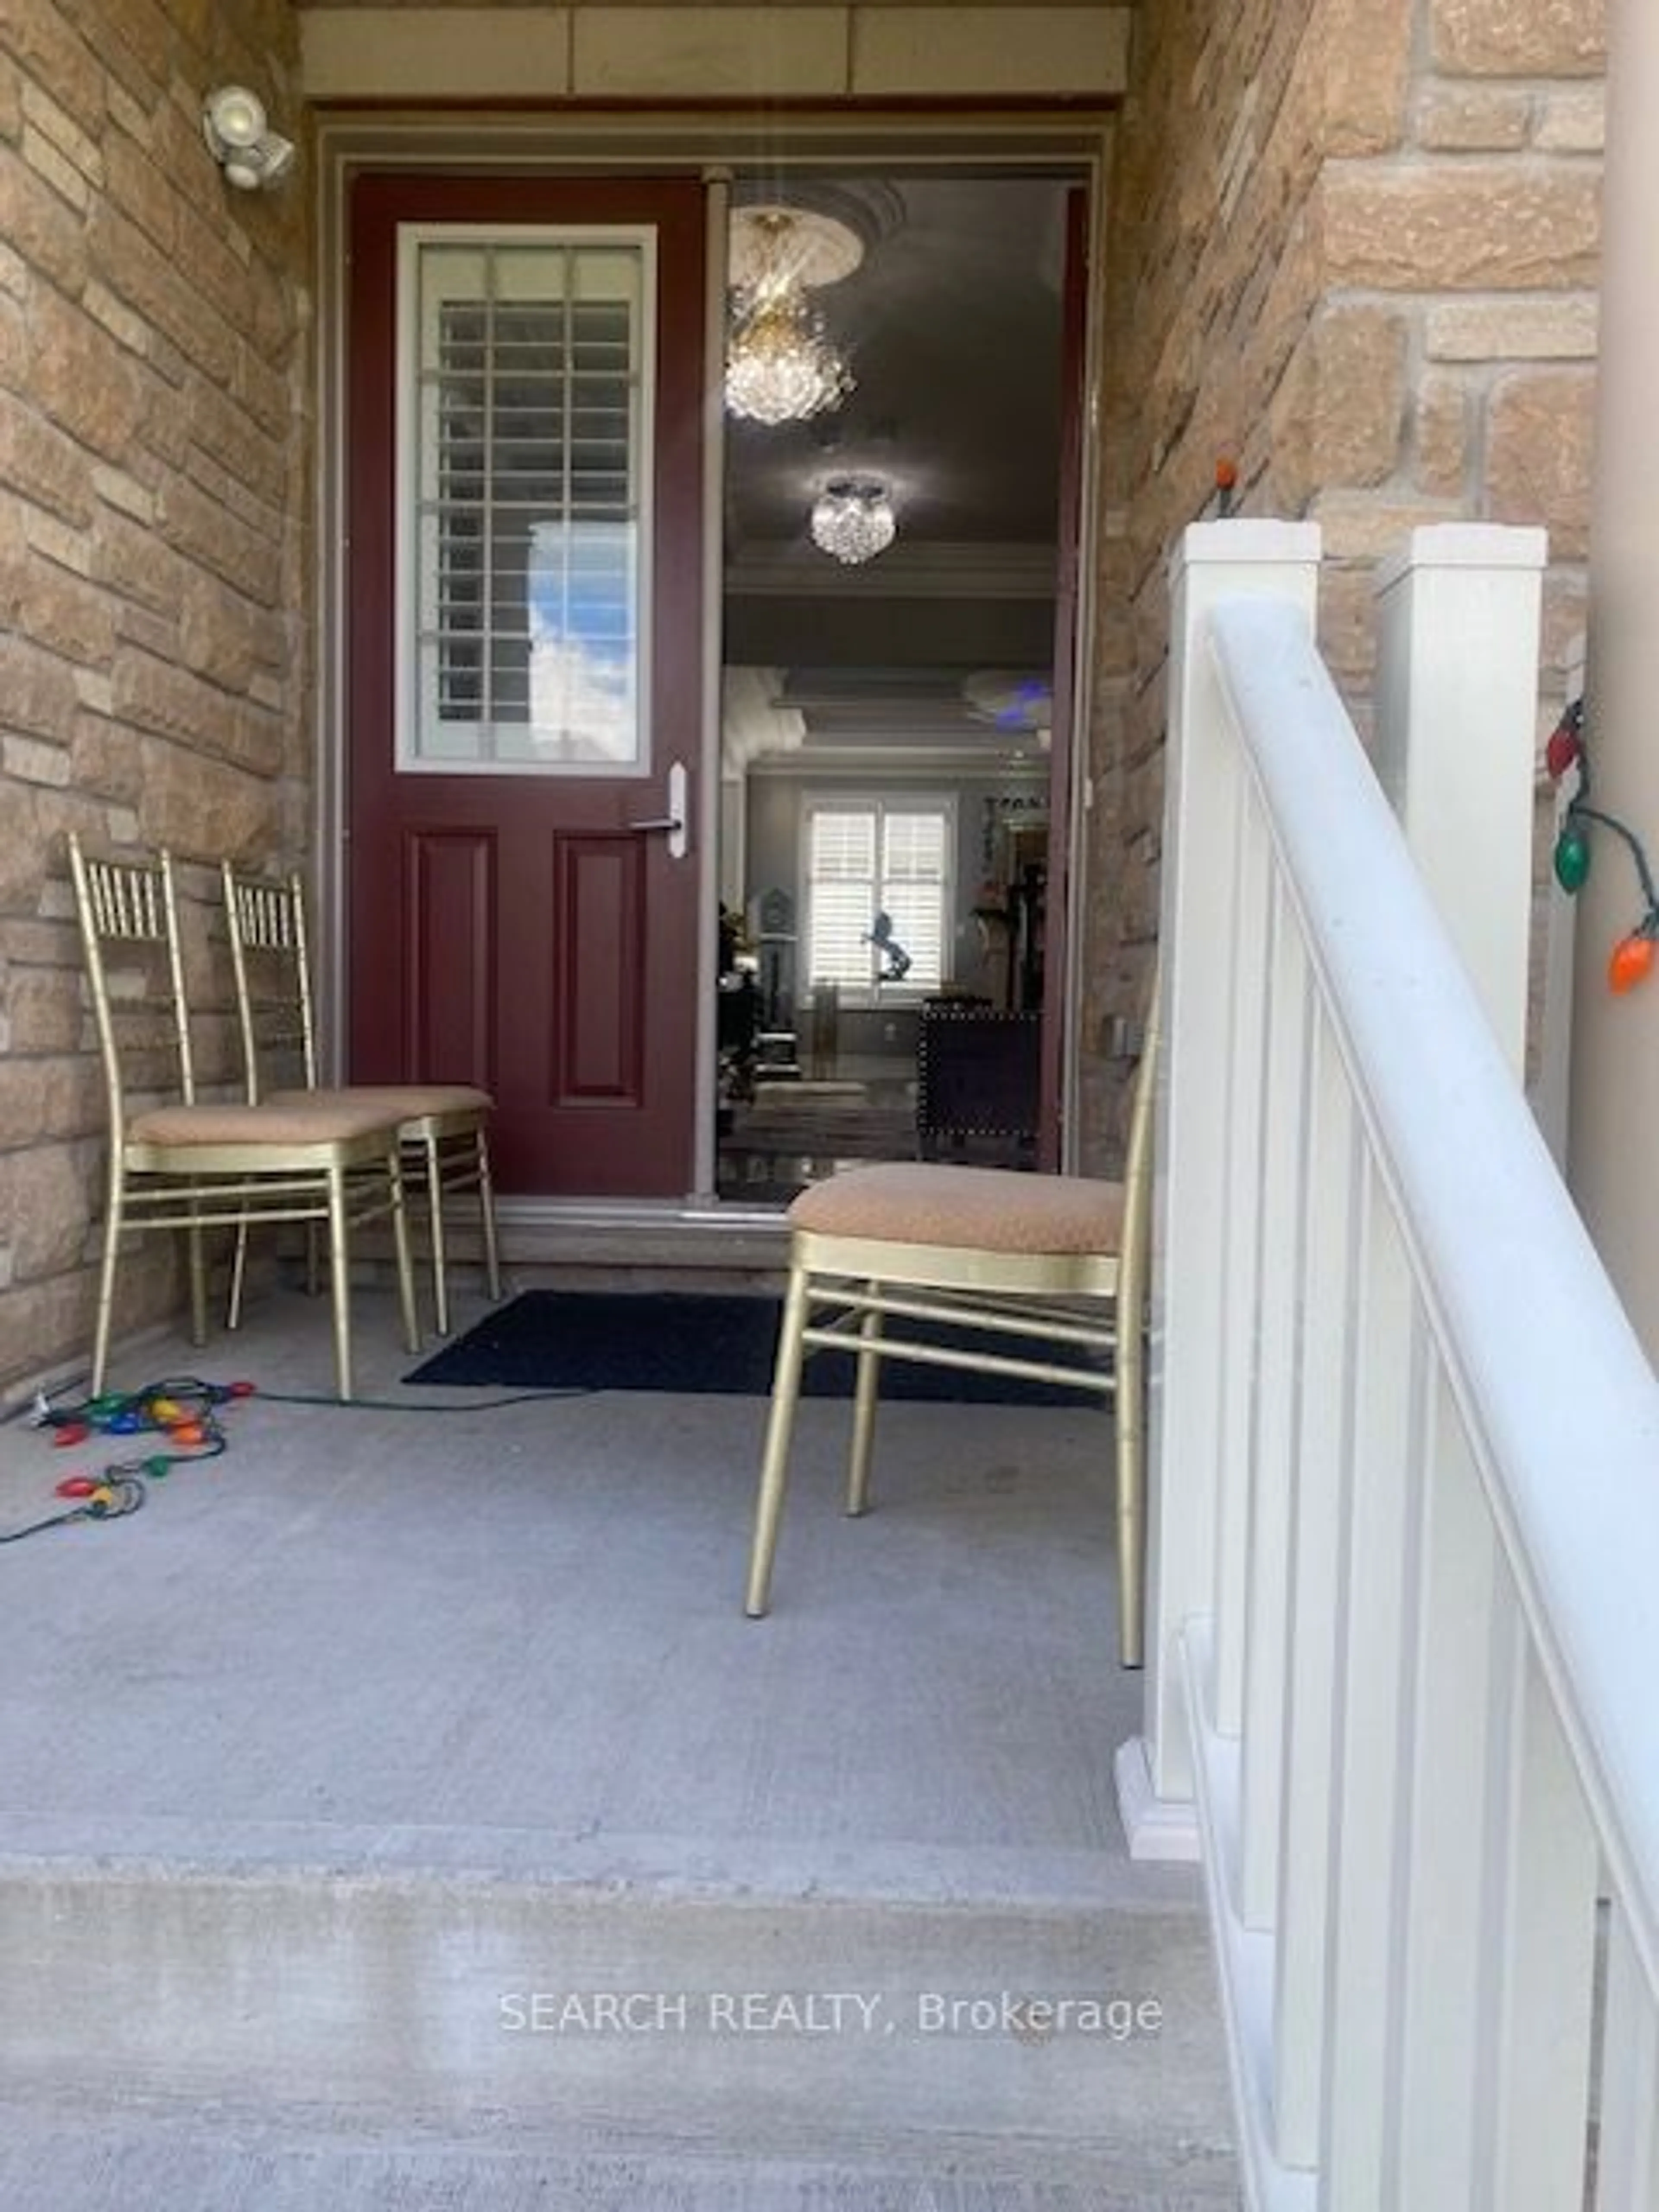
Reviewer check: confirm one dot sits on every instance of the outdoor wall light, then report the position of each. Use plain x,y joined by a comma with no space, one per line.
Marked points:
251,155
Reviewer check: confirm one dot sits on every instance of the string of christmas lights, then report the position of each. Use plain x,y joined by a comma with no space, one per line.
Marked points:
1632,960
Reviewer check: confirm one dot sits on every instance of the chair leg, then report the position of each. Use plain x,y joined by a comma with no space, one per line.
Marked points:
487,1219
400,1250
238,1272
103,1317
339,1279
434,1207
1129,1424
198,1265
774,1462
866,1389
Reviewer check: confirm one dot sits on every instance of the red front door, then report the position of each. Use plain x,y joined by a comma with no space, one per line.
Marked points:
524,639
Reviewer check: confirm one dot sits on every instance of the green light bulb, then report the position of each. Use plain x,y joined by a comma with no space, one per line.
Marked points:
1573,858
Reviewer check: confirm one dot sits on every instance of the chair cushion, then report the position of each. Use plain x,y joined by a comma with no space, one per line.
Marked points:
965,1209
300,1120
405,1102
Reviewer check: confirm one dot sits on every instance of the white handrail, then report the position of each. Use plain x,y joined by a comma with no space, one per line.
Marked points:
1560,1403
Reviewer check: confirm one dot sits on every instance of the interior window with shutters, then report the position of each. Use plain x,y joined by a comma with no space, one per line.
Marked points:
526,427
877,877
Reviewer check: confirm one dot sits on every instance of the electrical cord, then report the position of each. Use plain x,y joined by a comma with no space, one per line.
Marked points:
114,1497
415,1405
185,1409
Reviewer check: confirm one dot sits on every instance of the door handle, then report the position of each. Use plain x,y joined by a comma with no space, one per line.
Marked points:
674,820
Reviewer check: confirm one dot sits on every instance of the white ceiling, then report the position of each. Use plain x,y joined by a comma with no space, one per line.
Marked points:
953,327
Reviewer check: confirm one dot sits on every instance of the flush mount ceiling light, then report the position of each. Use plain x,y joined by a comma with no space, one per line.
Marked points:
852,517
780,365
251,155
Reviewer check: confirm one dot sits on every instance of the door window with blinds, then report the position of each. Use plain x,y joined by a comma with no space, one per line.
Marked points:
526,415
877,892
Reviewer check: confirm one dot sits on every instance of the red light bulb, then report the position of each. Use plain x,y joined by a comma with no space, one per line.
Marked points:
1562,750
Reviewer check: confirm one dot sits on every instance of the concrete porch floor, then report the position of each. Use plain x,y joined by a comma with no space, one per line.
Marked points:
318,1773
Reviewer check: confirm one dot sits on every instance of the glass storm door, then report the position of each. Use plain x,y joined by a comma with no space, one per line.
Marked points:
524,634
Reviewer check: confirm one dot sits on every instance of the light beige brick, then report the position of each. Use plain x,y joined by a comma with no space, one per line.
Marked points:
1484,119
21,852
116,487
231,642
48,50
141,189
1512,330
42,1098
137,564
1573,122
1506,226
43,1201
1338,415
30,759
15,353
109,758
38,223
128,115
1347,620
58,609
1440,437
82,381
170,701
1367,63
117,318
208,534
50,163
38,695
44,1009
1519,38
60,542
1539,435
1359,528
223,428
42,112
199,804
160,291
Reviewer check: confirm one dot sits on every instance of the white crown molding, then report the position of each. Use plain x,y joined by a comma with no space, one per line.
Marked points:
904,572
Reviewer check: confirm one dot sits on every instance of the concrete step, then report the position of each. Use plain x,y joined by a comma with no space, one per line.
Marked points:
800,2022
95,2157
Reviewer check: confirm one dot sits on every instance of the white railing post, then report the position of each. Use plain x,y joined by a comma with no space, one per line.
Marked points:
1627,2151
1386,1428
1535,2100
1205,788
1328,1308
1457,710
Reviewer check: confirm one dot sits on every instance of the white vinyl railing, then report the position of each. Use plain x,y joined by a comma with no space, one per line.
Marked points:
1405,1563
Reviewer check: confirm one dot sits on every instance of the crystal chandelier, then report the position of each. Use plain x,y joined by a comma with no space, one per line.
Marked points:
779,366
852,517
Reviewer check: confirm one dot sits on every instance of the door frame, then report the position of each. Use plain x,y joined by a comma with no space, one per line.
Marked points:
716,145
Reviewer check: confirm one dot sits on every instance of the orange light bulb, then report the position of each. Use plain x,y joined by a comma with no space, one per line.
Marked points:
1631,963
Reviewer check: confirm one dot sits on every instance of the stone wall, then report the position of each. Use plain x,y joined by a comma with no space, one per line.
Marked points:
1352,253
154,467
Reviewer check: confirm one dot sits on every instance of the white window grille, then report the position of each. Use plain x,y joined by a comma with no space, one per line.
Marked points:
867,859
524,480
